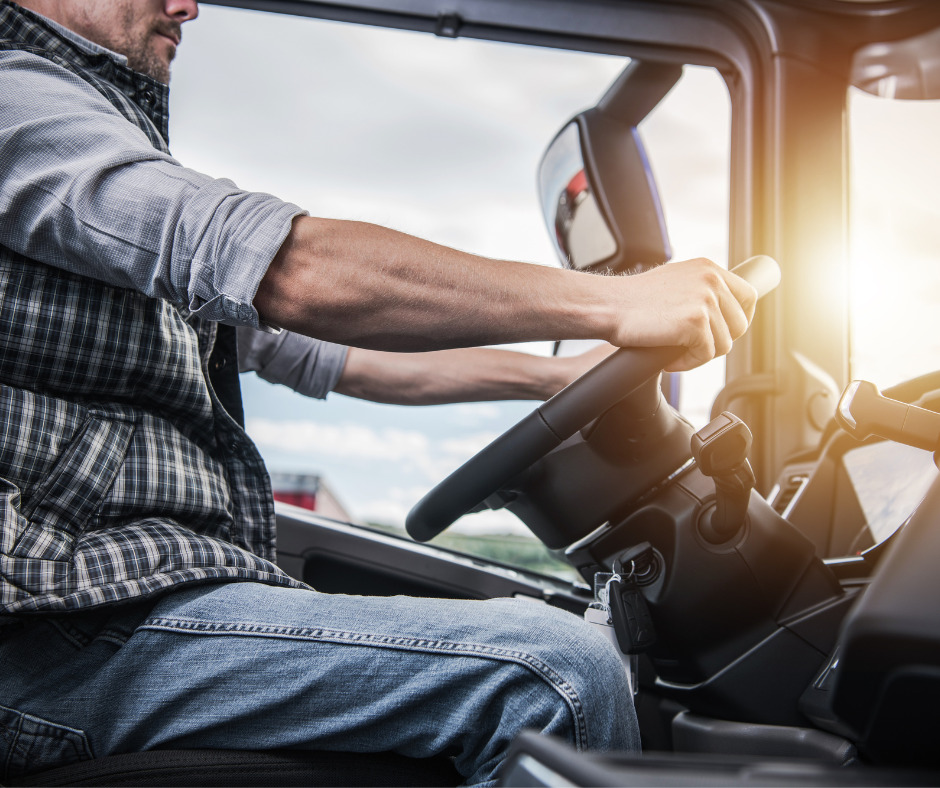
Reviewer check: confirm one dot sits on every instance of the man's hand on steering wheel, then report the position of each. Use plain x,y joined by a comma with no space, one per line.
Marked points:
722,305
694,304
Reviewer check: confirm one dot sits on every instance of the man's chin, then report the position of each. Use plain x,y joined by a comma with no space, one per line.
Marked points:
152,66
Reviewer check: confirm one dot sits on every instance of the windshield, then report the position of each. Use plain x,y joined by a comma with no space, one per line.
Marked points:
437,137
440,138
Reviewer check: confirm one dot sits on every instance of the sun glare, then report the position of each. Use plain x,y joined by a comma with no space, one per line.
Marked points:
894,237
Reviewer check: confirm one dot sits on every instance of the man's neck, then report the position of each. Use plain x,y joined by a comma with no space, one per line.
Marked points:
67,32
51,9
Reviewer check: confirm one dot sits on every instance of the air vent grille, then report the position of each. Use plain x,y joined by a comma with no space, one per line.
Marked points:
788,493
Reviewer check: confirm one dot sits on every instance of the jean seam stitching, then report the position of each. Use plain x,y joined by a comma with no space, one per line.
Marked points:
113,636
15,747
549,675
80,749
73,636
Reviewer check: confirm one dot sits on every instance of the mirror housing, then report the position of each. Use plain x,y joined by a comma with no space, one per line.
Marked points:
598,194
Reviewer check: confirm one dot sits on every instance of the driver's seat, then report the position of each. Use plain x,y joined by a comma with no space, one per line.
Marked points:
242,769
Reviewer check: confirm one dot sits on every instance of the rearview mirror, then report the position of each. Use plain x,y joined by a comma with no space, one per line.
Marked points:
599,198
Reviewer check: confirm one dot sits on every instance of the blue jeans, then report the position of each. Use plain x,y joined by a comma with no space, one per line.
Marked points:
248,666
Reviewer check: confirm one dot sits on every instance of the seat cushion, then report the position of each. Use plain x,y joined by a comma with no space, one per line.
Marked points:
239,768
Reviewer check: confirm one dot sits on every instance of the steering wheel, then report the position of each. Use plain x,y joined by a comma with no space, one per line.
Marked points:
553,422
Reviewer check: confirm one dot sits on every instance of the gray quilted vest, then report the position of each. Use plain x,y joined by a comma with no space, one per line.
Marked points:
124,470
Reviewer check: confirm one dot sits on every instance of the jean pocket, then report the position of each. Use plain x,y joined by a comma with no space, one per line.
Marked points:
31,744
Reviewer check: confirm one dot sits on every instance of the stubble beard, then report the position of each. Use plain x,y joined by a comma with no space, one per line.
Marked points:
146,62
142,58
140,47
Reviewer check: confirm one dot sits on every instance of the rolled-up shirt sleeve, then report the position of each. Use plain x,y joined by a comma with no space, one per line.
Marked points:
311,366
82,189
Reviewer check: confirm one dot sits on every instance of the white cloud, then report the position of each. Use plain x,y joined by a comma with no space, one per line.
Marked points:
435,459
393,507
343,440
465,447
384,511
473,414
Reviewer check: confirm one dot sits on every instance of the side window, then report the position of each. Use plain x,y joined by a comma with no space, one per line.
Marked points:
436,137
894,234
894,257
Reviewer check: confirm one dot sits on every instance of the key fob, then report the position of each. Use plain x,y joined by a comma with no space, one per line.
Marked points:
631,618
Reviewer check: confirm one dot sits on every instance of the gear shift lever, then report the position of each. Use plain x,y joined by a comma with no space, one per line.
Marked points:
720,450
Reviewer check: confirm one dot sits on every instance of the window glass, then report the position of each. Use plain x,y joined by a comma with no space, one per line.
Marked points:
895,237
436,137
894,255
688,140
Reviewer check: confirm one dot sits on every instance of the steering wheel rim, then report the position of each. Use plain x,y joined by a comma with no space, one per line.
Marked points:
531,438
553,422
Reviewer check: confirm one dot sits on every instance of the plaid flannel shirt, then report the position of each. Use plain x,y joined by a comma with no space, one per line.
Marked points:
121,472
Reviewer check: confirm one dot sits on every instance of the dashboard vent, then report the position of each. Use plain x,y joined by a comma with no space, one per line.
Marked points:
787,494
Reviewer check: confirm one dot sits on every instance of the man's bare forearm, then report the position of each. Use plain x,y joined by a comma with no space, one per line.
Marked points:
367,286
460,375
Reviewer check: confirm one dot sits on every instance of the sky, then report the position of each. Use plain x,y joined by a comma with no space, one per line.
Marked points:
436,137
